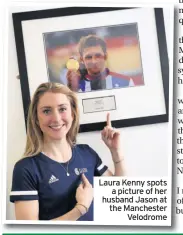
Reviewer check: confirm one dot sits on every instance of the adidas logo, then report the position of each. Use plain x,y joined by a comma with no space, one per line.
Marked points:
52,179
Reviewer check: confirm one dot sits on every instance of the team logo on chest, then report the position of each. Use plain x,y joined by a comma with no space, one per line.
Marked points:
79,171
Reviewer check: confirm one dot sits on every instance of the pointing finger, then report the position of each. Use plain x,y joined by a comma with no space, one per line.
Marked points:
85,181
108,120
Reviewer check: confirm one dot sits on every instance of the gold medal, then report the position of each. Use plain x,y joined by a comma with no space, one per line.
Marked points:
72,64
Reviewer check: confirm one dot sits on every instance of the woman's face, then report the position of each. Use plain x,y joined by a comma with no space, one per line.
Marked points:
54,115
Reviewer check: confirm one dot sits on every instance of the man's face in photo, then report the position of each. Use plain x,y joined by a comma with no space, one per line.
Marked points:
94,59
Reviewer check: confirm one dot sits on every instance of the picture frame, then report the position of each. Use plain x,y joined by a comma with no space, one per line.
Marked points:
134,106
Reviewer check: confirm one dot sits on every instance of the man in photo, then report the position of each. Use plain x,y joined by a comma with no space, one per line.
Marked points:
93,73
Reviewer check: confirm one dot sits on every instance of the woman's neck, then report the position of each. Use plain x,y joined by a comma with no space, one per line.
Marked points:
59,151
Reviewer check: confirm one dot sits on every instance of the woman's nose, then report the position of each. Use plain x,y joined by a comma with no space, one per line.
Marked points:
56,116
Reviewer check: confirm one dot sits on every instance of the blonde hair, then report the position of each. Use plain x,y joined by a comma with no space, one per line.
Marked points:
34,142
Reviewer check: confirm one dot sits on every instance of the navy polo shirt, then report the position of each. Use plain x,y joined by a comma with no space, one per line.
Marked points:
43,179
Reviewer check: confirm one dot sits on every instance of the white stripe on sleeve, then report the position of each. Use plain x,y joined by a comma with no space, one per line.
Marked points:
100,167
20,193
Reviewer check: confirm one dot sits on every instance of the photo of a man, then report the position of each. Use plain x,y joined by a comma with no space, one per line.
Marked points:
105,58
96,76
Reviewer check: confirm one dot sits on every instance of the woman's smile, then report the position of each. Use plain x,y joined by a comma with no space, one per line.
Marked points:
57,127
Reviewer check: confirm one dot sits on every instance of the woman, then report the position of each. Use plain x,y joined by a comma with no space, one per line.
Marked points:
54,179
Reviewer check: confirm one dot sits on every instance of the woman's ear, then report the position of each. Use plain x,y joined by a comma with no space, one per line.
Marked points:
105,56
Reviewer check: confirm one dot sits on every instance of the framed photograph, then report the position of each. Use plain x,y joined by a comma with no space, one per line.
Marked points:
115,59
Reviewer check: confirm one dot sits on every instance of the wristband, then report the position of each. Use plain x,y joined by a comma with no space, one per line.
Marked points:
83,206
79,210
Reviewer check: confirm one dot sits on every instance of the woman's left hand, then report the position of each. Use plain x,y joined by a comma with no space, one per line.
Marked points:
111,137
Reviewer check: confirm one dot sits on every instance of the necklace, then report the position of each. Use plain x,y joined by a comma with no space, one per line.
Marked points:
66,170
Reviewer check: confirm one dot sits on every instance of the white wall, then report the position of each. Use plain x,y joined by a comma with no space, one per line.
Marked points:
145,147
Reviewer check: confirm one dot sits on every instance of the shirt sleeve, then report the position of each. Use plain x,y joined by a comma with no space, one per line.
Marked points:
24,186
100,167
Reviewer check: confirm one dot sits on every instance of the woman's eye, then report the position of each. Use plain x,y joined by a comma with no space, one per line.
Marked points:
62,109
46,111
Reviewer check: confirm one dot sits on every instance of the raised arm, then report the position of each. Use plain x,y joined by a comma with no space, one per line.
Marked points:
111,138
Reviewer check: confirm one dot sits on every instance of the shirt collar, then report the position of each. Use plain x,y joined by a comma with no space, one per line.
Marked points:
101,75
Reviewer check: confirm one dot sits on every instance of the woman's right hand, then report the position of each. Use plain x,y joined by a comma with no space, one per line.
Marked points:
84,192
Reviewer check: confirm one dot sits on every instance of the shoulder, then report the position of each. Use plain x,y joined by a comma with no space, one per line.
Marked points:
26,163
119,76
84,147
86,152
24,181
119,80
